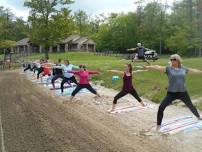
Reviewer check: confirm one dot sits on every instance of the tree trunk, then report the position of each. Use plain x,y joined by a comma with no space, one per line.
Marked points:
46,52
190,14
190,10
199,12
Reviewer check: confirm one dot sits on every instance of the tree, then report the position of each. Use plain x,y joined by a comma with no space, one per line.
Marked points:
150,28
5,23
82,21
20,29
7,44
11,29
42,18
118,33
96,22
62,24
199,21
183,21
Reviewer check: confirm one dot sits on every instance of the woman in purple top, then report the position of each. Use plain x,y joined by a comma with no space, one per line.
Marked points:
127,87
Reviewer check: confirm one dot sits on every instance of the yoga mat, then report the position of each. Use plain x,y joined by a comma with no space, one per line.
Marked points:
181,124
130,109
58,86
68,91
176,120
39,81
184,127
44,80
28,73
194,127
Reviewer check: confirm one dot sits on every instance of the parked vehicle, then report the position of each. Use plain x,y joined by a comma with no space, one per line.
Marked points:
151,55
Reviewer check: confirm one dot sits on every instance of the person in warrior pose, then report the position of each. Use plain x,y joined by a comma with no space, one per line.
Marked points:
46,70
84,75
27,66
40,68
127,87
57,72
176,74
140,53
68,77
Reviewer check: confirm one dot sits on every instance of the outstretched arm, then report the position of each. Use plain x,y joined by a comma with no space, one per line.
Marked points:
93,72
49,64
156,68
58,67
117,71
73,72
75,67
194,71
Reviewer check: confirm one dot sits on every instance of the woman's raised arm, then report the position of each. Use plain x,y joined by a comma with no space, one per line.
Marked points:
156,68
194,71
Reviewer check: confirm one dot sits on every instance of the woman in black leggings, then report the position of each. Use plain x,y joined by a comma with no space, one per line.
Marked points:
34,67
40,68
57,72
84,75
27,66
176,90
127,87
68,77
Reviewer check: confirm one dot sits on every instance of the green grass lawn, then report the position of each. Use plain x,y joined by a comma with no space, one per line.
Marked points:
148,84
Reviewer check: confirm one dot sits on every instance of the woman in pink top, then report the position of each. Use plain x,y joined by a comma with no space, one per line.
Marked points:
83,74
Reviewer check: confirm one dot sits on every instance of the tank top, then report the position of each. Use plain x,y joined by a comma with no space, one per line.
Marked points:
46,70
127,83
58,71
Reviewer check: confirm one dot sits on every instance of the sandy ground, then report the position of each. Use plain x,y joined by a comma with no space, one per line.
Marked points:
35,120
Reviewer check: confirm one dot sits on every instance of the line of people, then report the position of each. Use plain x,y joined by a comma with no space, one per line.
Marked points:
175,72
65,71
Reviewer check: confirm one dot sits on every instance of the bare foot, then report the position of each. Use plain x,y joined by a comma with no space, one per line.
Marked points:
71,99
144,105
98,95
158,128
113,108
199,118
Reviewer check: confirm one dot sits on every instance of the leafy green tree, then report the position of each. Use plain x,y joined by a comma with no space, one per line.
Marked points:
82,22
11,28
7,44
43,16
118,33
62,24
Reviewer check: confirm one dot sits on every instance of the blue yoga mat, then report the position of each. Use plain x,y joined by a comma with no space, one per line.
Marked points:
68,91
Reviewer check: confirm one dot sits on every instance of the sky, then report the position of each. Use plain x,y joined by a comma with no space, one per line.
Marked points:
92,7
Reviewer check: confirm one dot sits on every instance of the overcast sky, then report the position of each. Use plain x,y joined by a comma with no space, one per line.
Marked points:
92,7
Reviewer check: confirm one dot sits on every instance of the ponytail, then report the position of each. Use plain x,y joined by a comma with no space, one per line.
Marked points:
82,66
130,68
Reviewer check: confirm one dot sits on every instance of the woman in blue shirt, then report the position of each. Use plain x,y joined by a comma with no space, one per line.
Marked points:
66,75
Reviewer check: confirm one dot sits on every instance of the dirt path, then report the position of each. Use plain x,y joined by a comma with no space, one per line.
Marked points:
33,120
